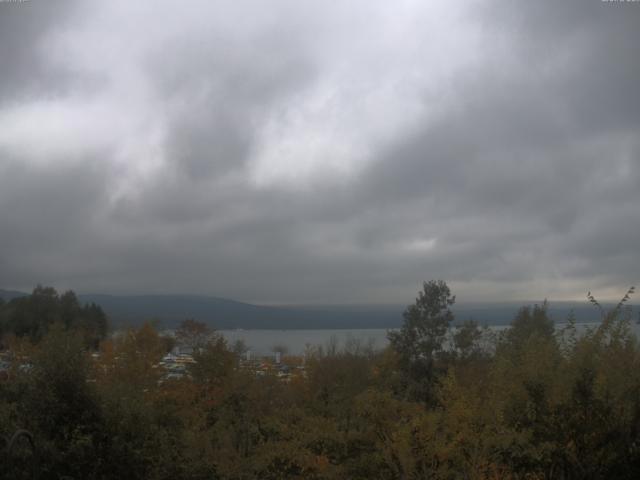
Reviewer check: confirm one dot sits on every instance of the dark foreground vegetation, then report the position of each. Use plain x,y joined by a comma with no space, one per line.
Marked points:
532,402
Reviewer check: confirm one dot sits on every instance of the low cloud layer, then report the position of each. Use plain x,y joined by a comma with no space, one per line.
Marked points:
301,152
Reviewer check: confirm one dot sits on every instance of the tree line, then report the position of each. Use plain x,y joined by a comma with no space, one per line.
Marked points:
31,316
532,401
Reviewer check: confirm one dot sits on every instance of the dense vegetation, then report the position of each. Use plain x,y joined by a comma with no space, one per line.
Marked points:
532,402
31,316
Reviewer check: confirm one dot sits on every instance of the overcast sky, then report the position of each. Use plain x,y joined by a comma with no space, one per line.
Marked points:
321,152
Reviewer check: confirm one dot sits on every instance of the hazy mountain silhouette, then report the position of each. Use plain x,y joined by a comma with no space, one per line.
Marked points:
222,313
9,294
228,314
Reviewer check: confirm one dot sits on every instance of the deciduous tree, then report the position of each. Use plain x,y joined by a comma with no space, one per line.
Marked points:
421,338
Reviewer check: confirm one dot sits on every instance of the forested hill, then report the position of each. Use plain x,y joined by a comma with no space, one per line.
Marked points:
228,314
7,295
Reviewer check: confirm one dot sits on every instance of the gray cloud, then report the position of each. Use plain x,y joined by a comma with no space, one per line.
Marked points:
24,29
322,154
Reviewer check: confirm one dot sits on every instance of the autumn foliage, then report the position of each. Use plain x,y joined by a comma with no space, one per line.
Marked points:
440,402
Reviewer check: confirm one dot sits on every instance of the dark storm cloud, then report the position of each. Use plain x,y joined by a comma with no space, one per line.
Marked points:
589,47
302,154
48,217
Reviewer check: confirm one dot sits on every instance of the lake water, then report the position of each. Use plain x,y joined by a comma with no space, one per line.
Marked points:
262,342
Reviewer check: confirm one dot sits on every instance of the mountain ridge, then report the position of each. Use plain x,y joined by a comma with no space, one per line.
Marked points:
221,313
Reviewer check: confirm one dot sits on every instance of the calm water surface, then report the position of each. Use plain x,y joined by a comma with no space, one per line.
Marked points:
262,342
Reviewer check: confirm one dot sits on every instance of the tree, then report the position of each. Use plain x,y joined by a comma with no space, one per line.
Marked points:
131,360
93,322
193,334
240,347
425,323
32,315
280,348
466,340
422,336
60,406
530,322
214,362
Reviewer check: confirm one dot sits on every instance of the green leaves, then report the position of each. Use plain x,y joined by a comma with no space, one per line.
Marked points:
422,336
